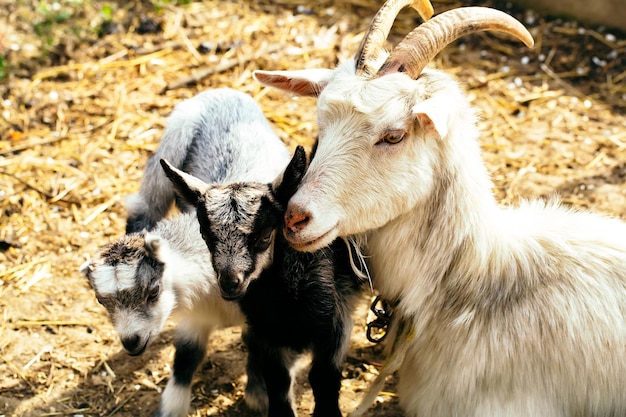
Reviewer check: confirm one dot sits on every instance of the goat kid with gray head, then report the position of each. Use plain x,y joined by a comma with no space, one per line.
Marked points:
293,301
146,276
513,311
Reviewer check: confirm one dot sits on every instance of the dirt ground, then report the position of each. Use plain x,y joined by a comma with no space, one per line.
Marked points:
85,89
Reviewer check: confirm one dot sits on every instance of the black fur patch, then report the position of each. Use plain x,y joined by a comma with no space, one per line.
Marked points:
186,360
130,248
291,178
138,223
302,302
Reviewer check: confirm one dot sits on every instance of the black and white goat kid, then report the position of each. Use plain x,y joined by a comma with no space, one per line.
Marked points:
293,301
220,135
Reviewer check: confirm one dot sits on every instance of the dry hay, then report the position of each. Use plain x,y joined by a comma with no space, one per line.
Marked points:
81,114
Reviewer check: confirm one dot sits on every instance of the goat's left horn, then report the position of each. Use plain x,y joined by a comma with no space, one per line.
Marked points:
378,31
424,42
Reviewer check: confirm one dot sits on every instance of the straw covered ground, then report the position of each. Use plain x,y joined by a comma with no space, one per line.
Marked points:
86,86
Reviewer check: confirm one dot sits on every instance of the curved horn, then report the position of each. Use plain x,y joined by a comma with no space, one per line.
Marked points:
379,30
420,46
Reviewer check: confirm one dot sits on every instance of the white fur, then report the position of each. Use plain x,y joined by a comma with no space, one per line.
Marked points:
111,279
515,311
129,322
175,400
104,279
197,298
135,204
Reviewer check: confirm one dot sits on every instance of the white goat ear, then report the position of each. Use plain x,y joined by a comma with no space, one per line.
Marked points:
308,83
86,268
432,117
154,244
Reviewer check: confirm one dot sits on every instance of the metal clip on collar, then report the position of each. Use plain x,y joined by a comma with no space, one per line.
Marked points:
377,328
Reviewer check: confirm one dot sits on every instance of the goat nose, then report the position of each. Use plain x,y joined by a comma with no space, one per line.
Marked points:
131,343
296,218
230,283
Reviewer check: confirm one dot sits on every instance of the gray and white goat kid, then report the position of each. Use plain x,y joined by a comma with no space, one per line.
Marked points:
293,301
146,276
220,136
513,311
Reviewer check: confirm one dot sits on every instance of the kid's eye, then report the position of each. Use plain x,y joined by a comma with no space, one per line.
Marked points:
263,242
153,294
393,137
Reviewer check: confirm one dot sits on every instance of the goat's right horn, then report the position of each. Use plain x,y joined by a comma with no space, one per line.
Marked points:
420,46
378,31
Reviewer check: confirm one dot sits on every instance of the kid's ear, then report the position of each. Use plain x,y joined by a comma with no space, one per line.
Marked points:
187,186
86,268
432,117
308,83
153,245
287,183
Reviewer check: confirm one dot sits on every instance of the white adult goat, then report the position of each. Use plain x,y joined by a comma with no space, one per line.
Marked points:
514,311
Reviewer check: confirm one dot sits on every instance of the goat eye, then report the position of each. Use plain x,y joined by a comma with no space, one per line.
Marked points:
263,242
393,137
153,295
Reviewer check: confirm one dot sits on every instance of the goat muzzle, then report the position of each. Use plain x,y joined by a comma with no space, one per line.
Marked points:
134,344
424,42
231,284
296,219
